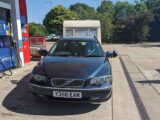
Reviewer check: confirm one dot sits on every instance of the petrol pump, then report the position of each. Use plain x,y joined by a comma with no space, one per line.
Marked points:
10,50
8,53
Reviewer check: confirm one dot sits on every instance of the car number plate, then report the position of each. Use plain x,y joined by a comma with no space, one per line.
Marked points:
62,94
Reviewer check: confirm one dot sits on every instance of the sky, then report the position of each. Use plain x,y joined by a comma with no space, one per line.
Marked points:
37,9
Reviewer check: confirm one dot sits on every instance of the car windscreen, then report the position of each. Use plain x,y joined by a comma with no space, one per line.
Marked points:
76,48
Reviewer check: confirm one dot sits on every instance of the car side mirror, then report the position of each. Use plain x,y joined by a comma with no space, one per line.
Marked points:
43,52
111,54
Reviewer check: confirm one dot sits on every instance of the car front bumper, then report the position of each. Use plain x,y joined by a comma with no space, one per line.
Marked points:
89,94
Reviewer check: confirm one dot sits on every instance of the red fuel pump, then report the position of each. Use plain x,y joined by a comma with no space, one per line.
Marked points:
25,31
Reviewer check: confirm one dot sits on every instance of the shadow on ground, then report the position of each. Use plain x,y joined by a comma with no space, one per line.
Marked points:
142,45
35,58
149,82
20,100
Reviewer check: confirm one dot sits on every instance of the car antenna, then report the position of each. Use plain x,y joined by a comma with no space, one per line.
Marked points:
95,38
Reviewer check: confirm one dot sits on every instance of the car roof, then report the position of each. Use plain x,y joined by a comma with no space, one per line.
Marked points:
79,38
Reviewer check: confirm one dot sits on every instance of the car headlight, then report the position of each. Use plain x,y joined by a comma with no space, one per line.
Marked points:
39,78
97,81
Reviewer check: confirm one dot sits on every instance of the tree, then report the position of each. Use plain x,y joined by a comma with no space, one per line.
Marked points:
140,7
134,28
37,29
132,21
123,9
54,19
107,26
105,15
122,21
154,6
84,11
106,6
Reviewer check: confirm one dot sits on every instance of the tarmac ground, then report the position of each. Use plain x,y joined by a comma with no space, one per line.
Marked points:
135,92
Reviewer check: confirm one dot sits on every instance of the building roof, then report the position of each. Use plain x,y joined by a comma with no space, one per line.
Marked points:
81,23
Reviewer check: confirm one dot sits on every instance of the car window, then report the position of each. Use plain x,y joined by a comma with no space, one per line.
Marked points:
77,48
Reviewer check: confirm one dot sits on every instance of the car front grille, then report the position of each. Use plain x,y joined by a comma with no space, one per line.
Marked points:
75,83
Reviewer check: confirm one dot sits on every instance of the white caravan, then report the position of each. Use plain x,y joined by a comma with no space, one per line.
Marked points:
82,28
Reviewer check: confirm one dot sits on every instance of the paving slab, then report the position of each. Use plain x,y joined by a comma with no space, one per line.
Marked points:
124,107
146,91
